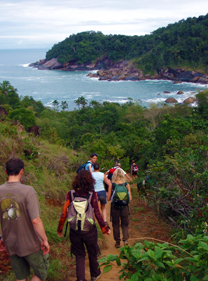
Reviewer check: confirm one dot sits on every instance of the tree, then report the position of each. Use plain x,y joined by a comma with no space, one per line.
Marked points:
24,116
81,101
64,105
8,95
55,105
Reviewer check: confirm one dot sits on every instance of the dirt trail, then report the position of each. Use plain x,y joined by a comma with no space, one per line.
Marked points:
109,249
144,222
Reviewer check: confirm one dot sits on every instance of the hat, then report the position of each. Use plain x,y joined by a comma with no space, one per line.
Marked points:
119,164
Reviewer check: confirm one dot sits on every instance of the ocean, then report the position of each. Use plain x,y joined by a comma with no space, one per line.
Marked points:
47,85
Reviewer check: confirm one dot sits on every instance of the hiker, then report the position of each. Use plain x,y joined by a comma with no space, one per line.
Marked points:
121,196
22,228
90,164
100,178
134,169
81,234
110,172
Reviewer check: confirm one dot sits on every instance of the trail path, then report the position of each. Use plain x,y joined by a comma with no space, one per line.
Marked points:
143,223
108,249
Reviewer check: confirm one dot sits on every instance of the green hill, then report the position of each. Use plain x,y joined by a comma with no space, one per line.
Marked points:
182,44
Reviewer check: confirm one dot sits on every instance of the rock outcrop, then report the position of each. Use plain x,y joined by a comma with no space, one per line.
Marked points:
189,100
171,100
123,70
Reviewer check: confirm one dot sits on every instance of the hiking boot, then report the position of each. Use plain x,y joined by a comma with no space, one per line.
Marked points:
126,242
106,223
96,278
117,245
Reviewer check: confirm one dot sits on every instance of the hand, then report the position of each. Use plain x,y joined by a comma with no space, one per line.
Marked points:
45,247
109,232
60,234
2,246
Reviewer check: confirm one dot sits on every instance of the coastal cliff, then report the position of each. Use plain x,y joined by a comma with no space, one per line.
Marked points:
122,70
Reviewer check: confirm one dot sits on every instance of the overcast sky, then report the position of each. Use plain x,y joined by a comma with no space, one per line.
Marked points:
42,23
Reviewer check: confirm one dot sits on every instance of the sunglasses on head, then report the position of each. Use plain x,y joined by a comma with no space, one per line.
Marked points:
94,154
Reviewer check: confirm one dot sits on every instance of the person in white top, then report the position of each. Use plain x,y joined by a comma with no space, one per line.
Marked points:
100,178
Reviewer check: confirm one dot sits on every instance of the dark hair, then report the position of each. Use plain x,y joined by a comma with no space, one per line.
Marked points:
96,166
83,181
14,166
93,154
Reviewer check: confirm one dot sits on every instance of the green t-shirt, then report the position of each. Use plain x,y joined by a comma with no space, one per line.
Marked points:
18,207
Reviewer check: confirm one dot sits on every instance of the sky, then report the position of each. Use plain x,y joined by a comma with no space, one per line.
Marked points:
43,23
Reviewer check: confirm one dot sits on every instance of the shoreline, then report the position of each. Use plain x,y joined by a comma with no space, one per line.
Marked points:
123,71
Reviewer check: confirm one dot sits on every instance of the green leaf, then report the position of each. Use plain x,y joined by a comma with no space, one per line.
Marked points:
203,245
118,261
205,277
151,254
178,261
107,268
193,278
159,264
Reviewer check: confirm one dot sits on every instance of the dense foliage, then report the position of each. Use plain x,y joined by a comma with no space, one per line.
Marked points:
169,144
163,261
184,43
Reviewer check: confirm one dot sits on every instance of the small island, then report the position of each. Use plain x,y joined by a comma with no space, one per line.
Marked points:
178,52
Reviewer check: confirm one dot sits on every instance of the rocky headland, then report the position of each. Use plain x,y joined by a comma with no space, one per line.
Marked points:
123,70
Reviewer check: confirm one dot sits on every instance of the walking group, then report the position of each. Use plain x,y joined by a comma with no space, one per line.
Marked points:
23,233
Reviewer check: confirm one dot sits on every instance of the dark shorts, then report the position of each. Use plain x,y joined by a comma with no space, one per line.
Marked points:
102,197
134,173
39,263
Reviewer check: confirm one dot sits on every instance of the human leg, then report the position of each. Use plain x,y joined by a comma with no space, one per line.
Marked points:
20,267
90,240
125,223
77,249
115,213
104,211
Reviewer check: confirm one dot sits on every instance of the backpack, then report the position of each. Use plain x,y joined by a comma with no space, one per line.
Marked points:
82,167
80,214
110,174
120,197
135,168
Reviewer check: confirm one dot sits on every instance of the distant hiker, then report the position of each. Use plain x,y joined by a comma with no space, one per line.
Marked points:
83,231
22,229
110,172
117,161
121,196
90,164
100,179
134,169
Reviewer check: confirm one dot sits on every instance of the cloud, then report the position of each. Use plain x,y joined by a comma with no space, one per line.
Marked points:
43,23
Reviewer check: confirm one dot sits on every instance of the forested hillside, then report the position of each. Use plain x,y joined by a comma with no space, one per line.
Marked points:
170,144
182,44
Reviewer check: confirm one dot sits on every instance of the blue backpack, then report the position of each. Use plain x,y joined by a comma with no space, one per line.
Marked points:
82,167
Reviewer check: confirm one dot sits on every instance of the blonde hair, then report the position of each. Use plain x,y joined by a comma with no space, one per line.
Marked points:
118,176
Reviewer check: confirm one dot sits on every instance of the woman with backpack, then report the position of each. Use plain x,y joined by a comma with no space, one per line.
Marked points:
83,232
100,178
121,196
134,169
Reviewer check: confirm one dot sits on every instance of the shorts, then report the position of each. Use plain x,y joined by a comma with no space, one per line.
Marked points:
37,261
134,173
102,197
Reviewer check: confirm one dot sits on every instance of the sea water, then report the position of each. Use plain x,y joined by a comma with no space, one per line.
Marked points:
50,85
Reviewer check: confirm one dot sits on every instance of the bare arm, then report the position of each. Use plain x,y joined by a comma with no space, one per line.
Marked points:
128,177
39,229
129,190
108,182
90,168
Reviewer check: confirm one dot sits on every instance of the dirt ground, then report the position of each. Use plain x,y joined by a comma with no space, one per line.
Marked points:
144,223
